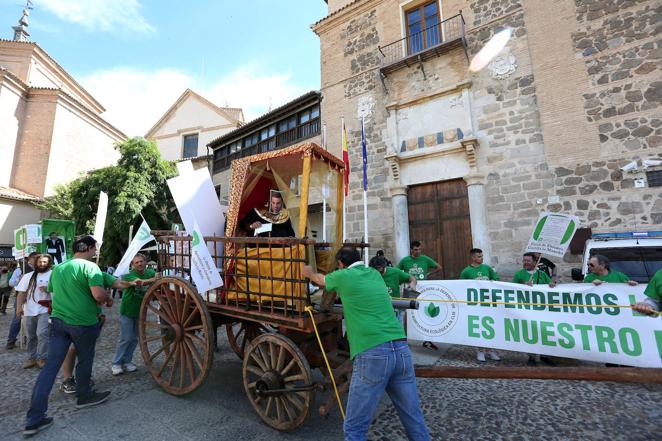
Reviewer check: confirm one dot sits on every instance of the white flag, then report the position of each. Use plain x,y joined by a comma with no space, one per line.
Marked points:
100,223
143,236
203,269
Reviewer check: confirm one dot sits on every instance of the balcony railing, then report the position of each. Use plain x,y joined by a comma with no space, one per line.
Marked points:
430,41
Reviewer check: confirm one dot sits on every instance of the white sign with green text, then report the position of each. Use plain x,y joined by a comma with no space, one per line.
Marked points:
573,320
552,234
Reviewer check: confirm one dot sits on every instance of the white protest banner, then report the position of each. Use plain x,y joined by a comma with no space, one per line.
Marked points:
565,321
100,223
204,273
552,234
143,236
20,242
196,200
33,233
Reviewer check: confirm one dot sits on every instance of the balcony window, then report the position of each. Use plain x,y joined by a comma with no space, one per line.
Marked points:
190,149
423,30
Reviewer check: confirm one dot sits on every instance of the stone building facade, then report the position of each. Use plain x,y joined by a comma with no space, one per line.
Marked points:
471,159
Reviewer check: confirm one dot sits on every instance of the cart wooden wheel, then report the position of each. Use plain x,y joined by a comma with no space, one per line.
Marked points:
176,335
241,332
278,381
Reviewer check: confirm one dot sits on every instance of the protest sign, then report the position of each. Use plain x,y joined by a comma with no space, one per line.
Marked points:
143,236
552,234
574,320
204,273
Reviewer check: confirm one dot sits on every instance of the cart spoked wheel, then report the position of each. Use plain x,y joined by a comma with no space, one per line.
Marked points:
176,335
240,333
278,381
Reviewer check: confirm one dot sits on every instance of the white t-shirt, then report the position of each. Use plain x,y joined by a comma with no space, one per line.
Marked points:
31,308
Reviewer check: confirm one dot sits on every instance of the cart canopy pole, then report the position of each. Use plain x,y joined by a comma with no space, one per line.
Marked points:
305,186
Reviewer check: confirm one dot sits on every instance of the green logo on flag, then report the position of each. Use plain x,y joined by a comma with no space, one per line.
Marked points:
432,310
196,239
21,239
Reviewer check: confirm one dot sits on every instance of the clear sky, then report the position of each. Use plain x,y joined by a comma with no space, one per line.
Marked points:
137,56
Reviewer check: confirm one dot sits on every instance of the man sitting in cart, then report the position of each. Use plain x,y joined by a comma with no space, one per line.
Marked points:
274,213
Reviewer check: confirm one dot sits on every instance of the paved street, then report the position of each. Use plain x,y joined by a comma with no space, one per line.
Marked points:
454,409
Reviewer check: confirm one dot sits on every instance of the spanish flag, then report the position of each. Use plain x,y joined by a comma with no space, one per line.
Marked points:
345,156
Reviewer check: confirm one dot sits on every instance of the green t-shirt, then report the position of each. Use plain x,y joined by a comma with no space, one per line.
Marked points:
394,277
70,284
539,277
132,297
366,306
610,277
418,267
480,272
654,287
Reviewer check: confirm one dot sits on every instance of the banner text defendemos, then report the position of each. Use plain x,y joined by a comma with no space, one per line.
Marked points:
526,298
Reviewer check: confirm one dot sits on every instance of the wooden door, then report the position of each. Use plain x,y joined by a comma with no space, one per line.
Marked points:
439,219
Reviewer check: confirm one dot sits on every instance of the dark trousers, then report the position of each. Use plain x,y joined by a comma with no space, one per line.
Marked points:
14,328
84,339
5,294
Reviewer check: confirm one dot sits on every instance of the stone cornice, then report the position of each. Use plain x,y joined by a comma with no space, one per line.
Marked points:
457,87
63,98
342,15
8,79
468,146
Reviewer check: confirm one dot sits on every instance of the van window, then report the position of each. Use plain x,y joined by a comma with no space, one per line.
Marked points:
638,264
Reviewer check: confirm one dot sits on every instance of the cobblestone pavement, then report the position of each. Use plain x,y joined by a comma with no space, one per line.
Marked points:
454,409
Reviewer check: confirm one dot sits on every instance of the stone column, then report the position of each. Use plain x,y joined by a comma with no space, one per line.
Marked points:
477,206
400,222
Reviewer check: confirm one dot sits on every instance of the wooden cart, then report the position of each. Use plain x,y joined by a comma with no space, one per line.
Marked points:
263,303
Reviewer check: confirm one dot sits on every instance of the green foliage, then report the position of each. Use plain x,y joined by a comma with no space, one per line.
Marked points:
137,184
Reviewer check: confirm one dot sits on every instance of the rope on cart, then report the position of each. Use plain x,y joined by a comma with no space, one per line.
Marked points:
328,366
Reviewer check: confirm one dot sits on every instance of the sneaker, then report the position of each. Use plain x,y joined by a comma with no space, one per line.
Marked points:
68,386
10,345
45,423
494,356
92,400
41,363
29,363
117,369
129,367
480,356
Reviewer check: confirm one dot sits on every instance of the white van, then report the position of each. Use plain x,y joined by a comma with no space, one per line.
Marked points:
636,254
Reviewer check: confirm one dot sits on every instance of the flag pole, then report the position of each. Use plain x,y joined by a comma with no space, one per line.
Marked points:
344,199
365,189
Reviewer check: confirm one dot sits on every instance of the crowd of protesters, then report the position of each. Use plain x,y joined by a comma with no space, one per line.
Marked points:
58,305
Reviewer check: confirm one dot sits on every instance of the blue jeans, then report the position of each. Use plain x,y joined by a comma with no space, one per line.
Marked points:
15,327
128,340
387,367
84,339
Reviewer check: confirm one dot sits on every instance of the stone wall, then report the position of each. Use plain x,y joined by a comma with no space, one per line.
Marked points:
486,10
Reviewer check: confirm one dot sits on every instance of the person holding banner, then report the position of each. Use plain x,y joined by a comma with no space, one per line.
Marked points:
600,272
477,270
653,302
530,275
378,346
129,312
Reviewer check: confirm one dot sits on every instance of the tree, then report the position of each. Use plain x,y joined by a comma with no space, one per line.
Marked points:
135,186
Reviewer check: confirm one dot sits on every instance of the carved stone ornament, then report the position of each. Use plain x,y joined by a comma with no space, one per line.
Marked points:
503,65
